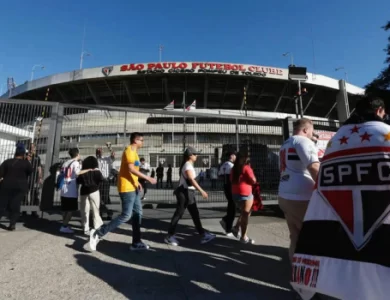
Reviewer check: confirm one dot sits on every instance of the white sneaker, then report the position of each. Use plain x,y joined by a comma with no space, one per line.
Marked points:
66,229
139,247
93,239
230,234
207,237
171,240
87,232
236,232
247,241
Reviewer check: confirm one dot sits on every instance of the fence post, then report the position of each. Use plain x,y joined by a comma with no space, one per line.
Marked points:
58,134
287,128
51,136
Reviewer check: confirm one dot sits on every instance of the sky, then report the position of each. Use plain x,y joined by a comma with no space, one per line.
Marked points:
321,35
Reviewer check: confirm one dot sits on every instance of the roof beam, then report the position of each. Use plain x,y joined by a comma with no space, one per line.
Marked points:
311,99
62,94
246,88
166,91
112,93
128,92
224,93
206,91
147,87
280,97
260,95
330,111
95,97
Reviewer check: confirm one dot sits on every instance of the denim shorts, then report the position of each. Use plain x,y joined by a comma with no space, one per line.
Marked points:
237,197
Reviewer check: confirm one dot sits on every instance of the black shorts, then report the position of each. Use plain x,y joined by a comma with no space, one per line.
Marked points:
69,204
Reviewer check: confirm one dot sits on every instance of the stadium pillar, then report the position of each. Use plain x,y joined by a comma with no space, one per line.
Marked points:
287,128
342,103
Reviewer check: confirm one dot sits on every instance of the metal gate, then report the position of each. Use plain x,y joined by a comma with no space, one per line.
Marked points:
55,128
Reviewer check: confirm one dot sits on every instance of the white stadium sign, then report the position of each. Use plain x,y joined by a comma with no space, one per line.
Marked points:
194,68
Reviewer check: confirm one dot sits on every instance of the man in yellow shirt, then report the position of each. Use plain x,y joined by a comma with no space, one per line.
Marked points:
130,193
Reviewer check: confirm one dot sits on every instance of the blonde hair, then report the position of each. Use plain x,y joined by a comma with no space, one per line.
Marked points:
300,124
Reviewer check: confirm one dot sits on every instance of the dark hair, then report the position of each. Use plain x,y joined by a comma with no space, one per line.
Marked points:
241,160
186,157
90,163
142,159
365,110
135,135
73,152
369,105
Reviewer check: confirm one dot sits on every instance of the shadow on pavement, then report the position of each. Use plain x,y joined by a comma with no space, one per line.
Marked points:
222,269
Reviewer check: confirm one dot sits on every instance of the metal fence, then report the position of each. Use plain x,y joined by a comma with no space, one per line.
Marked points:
55,128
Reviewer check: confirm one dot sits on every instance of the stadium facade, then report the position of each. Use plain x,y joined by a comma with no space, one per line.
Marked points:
103,105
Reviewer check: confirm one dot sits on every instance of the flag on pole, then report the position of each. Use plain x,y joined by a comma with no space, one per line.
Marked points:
192,106
170,105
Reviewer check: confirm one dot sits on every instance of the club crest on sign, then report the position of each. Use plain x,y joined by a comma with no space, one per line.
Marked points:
358,192
107,70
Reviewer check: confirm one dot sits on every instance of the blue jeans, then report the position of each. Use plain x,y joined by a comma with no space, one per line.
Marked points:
131,205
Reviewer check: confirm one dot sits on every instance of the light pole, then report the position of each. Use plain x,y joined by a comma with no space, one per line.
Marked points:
345,72
84,53
291,57
33,69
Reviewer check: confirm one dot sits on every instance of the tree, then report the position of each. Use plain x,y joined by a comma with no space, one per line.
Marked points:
381,84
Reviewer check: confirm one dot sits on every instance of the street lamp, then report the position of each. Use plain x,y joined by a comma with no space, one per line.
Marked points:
291,57
83,53
345,72
33,69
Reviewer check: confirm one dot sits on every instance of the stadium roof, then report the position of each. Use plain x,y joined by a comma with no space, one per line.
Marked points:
213,85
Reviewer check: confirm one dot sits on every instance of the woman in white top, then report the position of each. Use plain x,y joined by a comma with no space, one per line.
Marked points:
185,195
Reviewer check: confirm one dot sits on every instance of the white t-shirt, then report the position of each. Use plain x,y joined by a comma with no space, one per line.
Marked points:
187,166
296,154
70,187
225,170
105,166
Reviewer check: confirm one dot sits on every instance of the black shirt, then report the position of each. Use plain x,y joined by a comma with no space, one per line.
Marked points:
15,173
90,182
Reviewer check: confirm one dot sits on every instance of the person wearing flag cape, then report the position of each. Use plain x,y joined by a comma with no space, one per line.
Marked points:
343,250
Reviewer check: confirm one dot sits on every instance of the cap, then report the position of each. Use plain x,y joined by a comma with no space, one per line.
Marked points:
191,151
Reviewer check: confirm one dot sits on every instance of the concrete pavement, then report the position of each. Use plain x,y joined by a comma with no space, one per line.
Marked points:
39,263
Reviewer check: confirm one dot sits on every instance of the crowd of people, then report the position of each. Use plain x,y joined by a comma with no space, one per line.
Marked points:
337,210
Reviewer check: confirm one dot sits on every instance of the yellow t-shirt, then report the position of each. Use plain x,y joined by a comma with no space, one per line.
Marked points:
128,182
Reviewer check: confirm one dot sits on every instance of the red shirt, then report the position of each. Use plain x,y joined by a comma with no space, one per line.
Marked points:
244,185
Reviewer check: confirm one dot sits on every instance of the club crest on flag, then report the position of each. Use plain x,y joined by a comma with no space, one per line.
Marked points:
107,70
358,192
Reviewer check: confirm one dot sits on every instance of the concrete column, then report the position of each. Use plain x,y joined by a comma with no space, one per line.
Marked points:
342,105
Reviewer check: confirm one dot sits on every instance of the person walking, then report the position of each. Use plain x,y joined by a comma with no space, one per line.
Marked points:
14,174
242,178
169,177
144,169
224,173
90,178
160,175
105,167
185,195
70,190
130,194
299,166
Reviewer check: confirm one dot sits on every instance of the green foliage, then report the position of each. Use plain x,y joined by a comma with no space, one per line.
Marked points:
382,82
